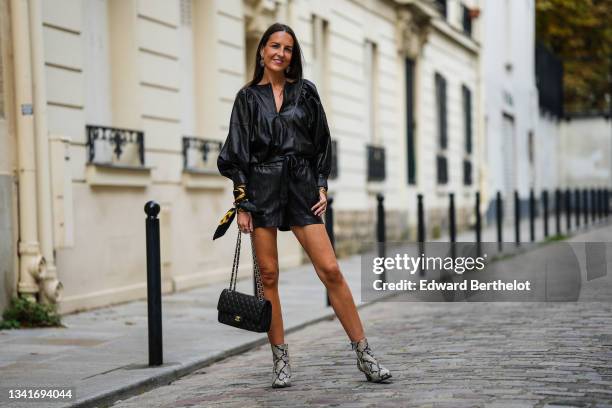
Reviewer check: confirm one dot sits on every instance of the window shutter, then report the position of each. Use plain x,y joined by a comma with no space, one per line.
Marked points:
440,85
467,113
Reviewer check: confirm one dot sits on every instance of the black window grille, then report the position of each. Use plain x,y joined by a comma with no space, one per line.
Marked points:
200,154
115,146
467,172
376,163
441,169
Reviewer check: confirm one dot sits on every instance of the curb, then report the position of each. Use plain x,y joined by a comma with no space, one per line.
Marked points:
166,377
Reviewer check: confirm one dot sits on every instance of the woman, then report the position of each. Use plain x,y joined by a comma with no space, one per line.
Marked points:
278,154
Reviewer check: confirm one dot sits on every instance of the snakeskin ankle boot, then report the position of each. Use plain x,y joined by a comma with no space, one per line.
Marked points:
367,363
281,367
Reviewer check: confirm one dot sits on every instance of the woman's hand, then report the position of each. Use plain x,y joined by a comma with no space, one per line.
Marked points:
245,222
320,207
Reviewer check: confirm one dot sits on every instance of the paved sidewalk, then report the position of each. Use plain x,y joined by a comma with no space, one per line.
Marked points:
103,353
442,355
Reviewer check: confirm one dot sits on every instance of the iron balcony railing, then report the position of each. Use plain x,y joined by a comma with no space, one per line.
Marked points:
200,154
441,169
376,163
115,146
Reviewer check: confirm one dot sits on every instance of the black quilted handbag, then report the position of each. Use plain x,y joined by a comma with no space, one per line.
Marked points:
248,312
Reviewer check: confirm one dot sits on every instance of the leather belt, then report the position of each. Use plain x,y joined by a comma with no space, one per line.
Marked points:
289,171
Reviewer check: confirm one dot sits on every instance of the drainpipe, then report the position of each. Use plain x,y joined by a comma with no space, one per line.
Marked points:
31,262
50,286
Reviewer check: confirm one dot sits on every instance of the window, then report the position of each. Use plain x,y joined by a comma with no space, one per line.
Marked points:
333,174
320,53
467,122
466,20
531,147
371,82
441,169
467,116
442,7
376,163
441,166
186,12
508,35
441,110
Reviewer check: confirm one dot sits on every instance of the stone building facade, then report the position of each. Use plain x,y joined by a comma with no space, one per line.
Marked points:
107,104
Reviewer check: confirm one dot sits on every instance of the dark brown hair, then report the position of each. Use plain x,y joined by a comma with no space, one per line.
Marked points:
295,66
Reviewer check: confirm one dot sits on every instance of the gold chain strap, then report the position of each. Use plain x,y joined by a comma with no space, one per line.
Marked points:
233,278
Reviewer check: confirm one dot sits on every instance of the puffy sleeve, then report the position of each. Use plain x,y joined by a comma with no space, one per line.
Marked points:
233,160
321,137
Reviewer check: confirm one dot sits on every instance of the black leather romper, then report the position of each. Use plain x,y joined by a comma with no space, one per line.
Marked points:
283,157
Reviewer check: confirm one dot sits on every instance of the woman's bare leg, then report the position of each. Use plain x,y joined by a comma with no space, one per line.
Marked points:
264,240
315,242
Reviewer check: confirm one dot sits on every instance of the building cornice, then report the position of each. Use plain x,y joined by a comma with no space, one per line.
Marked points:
425,15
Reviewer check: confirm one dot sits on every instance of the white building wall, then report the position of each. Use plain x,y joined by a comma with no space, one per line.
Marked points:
459,66
586,149
455,57
508,73
548,154
172,68
137,64
351,23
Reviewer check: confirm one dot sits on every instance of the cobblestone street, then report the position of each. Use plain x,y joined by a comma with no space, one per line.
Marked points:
440,354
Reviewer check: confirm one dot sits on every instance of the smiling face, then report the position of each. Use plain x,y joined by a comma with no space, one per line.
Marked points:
277,52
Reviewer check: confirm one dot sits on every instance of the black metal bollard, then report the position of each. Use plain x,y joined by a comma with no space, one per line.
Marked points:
568,210
577,209
420,228
420,219
154,284
585,206
599,203
607,201
452,230
499,215
593,205
545,215
517,218
452,227
329,227
478,220
558,211
531,215
380,231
